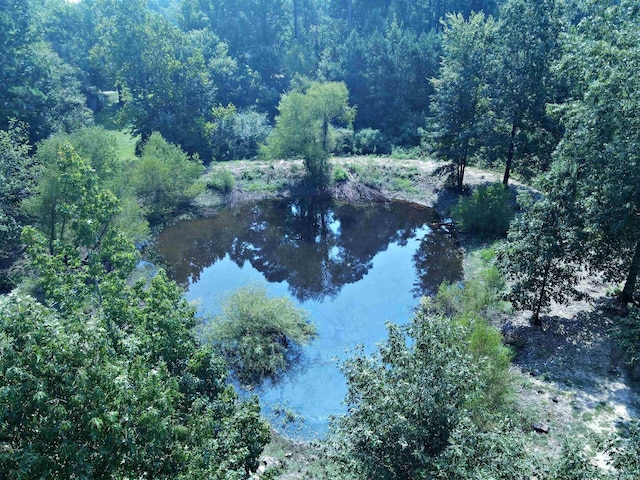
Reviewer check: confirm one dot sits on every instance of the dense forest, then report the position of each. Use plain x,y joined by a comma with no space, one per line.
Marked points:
103,375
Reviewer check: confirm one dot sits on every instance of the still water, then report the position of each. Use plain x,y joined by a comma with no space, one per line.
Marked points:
352,267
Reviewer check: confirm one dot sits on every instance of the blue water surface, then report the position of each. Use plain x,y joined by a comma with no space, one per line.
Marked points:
349,288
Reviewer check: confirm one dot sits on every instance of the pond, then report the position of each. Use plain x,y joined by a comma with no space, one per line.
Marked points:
352,267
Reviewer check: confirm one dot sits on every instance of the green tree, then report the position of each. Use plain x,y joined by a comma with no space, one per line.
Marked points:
304,126
411,402
16,182
539,255
16,185
385,69
162,74
70,204
523,84
460,103
164,177
108,380
97,147
260,336
157,406
601,131
71,30
36,86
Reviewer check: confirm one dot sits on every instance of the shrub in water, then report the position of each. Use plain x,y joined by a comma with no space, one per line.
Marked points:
259,336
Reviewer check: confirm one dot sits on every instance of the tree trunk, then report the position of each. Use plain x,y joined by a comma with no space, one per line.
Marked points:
349,13
325,134
535,318
52,227
630,284
462,163
295,19
507,168
120,96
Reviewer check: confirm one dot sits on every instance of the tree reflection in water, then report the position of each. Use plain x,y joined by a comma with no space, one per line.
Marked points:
313,244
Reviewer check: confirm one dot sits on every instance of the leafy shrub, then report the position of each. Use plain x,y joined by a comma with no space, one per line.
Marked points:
626,452
413,404
342,140
495,452
164,178
221,180
574,463
340,174
488,211
370,141
238,135
400,153
259,336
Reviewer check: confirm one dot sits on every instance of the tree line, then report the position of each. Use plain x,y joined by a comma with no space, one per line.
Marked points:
548,90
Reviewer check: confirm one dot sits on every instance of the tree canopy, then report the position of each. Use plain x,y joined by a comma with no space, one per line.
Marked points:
304,126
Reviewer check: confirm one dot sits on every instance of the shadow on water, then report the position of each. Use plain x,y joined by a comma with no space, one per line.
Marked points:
352,267
314,245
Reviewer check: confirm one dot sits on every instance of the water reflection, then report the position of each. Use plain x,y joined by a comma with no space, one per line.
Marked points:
437,260
353,268
314,245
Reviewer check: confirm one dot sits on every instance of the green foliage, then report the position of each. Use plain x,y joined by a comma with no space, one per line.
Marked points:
238,135
16,182
304,126
460,103
416,403
539,255
488,211
340,174
164,76
626,452
497,451
108,380
600,57
574,463
98,149
221,180
385,66
70,204
522,83
259,336
478,297
38,88
76,404
476,305
164,177
370,141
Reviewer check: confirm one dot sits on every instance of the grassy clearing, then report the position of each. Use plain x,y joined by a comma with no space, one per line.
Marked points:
106,118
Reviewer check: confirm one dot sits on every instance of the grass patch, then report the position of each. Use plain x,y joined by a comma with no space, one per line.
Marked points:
106,118
403,185
221,180
125,144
